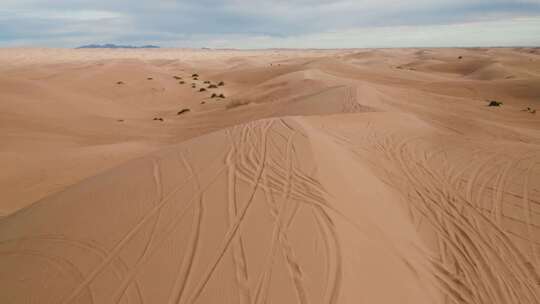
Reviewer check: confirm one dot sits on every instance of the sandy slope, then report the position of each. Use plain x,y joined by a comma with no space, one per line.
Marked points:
352,176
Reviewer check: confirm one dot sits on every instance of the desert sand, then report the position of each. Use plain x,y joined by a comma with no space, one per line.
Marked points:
322,176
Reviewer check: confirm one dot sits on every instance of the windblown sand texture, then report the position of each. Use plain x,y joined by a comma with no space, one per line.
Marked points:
337,176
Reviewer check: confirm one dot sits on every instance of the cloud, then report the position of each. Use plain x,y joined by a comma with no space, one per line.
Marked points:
252,23
517,32
63,14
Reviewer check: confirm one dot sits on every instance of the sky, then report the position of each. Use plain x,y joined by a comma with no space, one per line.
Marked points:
271,24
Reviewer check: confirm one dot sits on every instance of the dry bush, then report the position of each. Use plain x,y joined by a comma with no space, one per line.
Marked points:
183,111
494,103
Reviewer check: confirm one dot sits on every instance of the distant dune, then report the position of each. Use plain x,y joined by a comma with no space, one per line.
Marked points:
272,176
114,46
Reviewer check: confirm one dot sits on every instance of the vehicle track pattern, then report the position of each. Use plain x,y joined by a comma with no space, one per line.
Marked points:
263,171
483,215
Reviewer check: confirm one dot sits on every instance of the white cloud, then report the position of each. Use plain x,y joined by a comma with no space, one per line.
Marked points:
83,14
516,32
262,23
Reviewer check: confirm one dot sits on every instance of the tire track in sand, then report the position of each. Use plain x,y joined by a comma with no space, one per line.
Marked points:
167,233
123,241
90,245
62,264
184,274
231,233
239,256
286,248
328,232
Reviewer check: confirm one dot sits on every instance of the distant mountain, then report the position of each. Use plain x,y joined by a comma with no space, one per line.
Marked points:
114,46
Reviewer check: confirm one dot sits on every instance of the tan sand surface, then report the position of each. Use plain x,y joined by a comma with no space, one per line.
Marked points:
323,176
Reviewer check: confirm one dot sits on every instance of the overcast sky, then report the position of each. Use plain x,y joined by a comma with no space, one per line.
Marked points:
266,24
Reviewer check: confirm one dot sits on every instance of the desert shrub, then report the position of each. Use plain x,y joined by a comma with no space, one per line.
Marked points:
158,118
494,103
183,111
202,90
195,75
182,82
214,95
221,83
212,86
177,77
120,82
530,110
206,81
149,78
221,96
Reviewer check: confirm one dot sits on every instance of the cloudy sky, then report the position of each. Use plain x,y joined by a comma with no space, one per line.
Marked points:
266,24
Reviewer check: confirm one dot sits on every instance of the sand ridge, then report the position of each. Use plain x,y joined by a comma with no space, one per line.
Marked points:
323,176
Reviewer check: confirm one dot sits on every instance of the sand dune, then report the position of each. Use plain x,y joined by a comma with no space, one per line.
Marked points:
343,176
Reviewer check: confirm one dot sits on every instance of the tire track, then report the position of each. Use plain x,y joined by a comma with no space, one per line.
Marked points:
328,231
234,229
261,292
286,248
430,191
239,257
61,263
469,231
157,178
528,212
498,198
167,233
185,273
185,270
127,237
90,246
